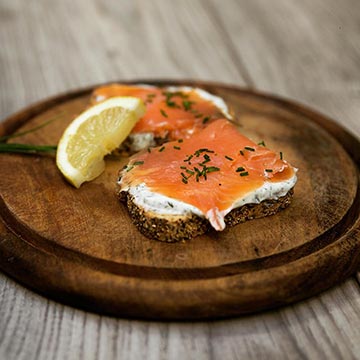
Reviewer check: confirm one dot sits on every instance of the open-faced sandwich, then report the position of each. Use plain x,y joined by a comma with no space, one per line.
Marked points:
215,178
191,169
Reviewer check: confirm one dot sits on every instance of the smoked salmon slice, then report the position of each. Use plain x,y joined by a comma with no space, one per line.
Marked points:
171,113
215,170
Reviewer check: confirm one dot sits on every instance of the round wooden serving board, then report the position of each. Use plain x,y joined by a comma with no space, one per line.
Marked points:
78,246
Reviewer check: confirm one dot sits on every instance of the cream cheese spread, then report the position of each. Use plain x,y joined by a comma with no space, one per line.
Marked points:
162,205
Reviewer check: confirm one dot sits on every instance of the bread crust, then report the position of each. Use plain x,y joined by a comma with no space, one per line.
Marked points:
170,228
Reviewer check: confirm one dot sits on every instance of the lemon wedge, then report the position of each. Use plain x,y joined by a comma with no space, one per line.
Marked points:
93,134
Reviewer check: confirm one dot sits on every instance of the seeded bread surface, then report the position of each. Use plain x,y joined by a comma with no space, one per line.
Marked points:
170,228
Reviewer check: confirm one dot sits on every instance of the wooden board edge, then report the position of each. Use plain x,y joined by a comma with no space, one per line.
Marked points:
230,296
336,265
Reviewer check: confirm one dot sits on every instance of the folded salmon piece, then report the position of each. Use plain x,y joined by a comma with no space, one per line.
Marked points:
171,112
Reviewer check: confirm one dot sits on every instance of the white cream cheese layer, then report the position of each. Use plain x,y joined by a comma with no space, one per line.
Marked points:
164,205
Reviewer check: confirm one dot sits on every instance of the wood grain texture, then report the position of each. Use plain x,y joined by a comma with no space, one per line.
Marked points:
307,51
107,266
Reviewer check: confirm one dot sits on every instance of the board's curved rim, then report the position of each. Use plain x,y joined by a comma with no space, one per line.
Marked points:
171,274
351,237
237,292
208,272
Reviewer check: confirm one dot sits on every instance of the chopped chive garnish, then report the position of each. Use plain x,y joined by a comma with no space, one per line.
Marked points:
170,204
149,98
262,143
268,170
249,148
211,169
206,119
239,169
180,140
206,159
281,155
162,149
199,116
198,173
177,147
229,158
187,104
163,113
169,94
198,152
130,167
244,173
168,100
196,170
184,180
241,153
148,150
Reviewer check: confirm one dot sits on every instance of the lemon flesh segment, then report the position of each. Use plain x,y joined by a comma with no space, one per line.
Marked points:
94,134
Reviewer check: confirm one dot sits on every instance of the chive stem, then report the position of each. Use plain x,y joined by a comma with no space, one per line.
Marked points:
26,148
6,137
138,163
249,148
163,113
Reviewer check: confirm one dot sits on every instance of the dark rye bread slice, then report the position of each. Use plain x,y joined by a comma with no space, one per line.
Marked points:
170,228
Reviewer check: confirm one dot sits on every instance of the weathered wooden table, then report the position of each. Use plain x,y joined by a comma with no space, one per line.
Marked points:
307,51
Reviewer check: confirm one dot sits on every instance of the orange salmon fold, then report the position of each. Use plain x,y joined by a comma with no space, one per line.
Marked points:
171,113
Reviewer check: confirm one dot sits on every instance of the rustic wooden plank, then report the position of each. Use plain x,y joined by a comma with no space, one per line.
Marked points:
294,260
137,40
306,50
34,327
